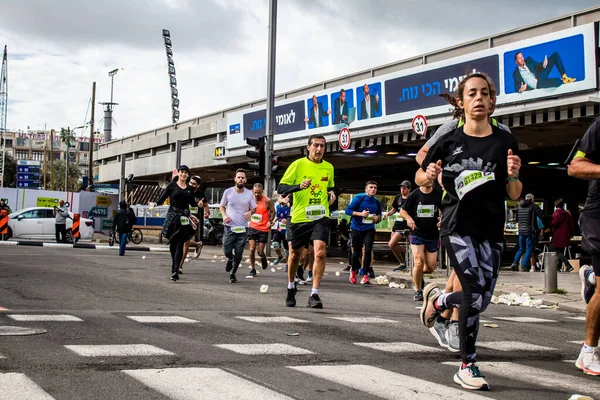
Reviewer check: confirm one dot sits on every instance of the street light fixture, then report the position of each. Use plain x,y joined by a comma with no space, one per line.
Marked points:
112,74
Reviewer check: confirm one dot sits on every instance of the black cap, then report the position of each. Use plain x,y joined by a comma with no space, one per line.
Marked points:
406,184
122,204
183,167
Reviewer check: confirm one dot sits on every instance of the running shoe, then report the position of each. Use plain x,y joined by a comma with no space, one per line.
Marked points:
371,273
310,277
364,280
418,295
198,250
589,362
232,279
277,261
401,267
353,277
252,272
452,339
361,271
439,331
229,265
314,301
470,377
290,300
428,312
285,267
348,268
175,277
264,262
587,288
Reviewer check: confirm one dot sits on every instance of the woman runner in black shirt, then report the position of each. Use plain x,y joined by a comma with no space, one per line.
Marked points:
478,166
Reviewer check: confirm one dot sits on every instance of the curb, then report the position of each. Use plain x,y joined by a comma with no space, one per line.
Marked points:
80,246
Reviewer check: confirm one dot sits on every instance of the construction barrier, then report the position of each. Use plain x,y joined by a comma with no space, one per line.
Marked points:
3,222
75,228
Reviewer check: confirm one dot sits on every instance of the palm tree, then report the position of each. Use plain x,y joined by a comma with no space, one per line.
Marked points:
67,137
74,176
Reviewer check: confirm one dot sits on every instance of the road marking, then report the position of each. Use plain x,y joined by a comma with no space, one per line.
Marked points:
18,386
118,350
4,309
365,320
537,376
57,245
262,349
267,320
8,243
149,319
45,317
582,318
385,384
400,347
579,342
202,383
524,319
513,346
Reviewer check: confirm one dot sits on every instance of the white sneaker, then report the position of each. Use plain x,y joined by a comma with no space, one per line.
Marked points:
309,279
452,338
198,250
589,362
470,378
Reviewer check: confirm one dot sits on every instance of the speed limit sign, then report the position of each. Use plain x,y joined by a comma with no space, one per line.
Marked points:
344,138
419,125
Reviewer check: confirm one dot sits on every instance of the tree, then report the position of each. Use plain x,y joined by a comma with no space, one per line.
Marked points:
74,179
10,171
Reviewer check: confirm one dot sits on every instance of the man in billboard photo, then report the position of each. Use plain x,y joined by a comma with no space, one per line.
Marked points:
340,109
530,74
370,106
316,113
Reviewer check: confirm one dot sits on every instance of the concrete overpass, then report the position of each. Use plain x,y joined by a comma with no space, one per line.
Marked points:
545,121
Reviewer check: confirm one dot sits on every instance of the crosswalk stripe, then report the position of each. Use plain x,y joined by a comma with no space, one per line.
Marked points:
538,376
45,317
400,347
581,318
202,383
524,319
263,349
385,384
19,387
118,350
365,320
513,346
157,319
267,320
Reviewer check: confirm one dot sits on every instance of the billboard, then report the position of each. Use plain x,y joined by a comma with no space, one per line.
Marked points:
558,63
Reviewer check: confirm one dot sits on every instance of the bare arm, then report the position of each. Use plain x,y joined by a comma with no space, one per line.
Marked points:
514,189
583,168
272,214
409,221
421,154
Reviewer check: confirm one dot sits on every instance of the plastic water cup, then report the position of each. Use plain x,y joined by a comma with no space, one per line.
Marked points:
264,288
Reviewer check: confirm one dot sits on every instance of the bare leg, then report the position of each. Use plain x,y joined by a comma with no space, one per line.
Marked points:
319,262
430,262
252,248
396,248
293,261
186,247
447,314
418,252
592,319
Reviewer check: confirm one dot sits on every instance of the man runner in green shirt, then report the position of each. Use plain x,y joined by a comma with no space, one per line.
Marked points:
310,180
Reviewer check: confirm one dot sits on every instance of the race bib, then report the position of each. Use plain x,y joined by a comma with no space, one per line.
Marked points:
469,180
425,211
238,229
368,220
193,210
256,218
282,225
314,213
184,221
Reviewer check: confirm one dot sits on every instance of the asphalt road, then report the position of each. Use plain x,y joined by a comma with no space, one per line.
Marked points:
221,352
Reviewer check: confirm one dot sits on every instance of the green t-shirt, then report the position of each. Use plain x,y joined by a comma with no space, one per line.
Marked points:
312,203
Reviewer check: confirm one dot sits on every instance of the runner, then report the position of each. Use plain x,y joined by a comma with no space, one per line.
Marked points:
310,179
421,210
201,203
179,225
399,227
260,225
585,165
479,167
237,206
365,212
282,214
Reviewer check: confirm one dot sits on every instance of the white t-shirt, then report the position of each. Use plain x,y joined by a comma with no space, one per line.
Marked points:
236,205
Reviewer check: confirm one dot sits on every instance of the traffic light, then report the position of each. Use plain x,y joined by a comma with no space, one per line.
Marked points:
258,154
274,163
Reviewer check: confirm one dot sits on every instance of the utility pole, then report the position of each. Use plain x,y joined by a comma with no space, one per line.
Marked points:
67,143
45,159
91,150
51,159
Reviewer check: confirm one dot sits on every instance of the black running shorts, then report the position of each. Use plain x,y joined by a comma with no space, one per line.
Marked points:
259,236
590,237
303,234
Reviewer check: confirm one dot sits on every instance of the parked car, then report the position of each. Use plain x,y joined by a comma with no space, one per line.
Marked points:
38,223
213,230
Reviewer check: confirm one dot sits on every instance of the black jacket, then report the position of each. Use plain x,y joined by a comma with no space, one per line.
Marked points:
121,221
525,216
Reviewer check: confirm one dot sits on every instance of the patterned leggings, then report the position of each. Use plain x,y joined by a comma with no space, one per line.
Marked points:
476,264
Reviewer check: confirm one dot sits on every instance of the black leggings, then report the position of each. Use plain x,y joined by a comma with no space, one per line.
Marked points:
360,239
176,248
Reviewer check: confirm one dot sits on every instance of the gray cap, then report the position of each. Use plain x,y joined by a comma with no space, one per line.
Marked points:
529,196
406,184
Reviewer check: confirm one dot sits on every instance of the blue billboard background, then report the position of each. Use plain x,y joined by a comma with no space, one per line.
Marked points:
323,104
421,90
349,100
287,118
570,50
374,89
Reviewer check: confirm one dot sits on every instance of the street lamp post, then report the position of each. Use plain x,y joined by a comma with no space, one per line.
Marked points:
108,108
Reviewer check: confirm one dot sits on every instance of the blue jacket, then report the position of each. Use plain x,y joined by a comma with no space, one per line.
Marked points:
359,203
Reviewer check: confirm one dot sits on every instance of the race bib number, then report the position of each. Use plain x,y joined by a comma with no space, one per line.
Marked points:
314,213
282,225
469,180
184,221
193,210
256,218
238,229
368,220
425,211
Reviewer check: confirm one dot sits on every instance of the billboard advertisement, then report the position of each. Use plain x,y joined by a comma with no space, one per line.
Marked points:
557,63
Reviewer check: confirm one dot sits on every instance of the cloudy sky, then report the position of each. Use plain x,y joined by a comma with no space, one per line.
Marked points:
56,49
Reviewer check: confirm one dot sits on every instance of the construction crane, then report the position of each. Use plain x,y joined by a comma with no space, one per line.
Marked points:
3,110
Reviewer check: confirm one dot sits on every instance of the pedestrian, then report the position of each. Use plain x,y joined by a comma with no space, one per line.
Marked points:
60,222
527,214
562,231
122,226
279,242
400,227
260,225
237,206
586,165
180,224
478,166
365,213
310,180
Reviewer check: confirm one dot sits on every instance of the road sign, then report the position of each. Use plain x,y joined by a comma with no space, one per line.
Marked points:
219,150
419,125
28,162
28,184
26,169
103,201
99,212
28,174
47,202
344,138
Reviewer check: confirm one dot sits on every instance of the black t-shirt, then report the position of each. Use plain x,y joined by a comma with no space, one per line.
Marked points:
590,146
475,177
179,198
397,204
424,209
